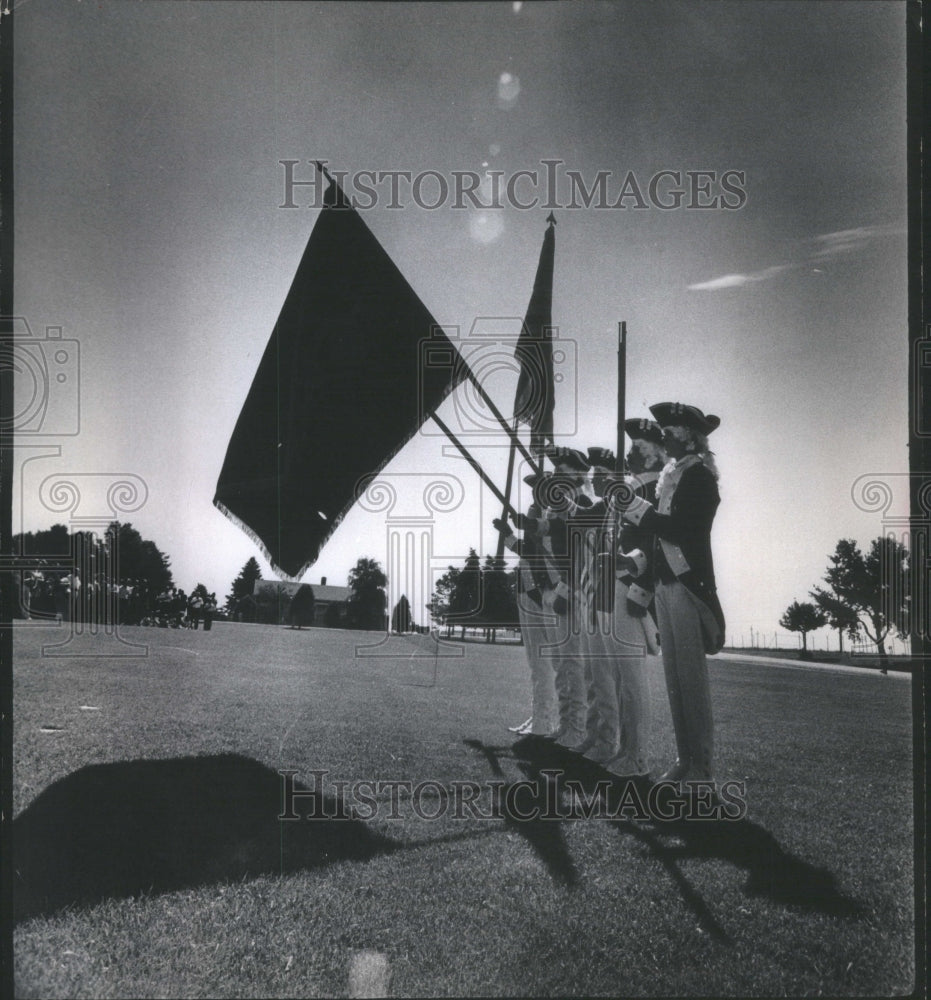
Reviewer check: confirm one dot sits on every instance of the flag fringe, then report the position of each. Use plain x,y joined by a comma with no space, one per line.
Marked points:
246,530
335,523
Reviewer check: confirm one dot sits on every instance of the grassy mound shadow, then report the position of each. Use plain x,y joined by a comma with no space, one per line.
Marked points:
122,829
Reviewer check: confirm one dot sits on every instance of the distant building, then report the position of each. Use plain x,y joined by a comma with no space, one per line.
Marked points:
273,599
332,604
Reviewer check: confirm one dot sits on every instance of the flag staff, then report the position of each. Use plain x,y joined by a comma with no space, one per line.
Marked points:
473,378
512,433
508,509
621,393
507,492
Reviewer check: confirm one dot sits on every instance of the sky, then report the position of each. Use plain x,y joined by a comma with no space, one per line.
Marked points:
150,228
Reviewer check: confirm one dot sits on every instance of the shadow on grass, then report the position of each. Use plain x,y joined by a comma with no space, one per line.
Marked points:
543,836
772,871
122,829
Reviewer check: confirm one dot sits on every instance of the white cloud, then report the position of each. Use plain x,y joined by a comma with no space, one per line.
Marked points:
827,246
846,241
737,280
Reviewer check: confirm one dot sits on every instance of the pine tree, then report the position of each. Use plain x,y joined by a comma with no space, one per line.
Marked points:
401,620
244,584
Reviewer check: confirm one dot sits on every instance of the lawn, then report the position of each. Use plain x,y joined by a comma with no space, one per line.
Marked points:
163,870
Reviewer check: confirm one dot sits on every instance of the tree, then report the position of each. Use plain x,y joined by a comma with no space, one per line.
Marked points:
499,609
368,600
466,599
401,620
840,615
440,604
122,559
804,618
301,610
141,560
476,596
875,586
244,584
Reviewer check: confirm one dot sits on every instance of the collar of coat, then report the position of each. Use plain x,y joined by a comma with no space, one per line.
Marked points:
670,476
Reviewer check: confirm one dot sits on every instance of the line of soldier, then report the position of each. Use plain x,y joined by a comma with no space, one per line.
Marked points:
612,569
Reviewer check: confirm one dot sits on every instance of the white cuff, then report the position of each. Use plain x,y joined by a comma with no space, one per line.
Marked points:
639,596
636,511
511,542
562,590
639,560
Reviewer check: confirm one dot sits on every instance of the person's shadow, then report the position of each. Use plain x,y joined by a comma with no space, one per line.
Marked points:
134,827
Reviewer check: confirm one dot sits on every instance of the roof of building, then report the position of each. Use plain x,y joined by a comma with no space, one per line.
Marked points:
322,592
328,593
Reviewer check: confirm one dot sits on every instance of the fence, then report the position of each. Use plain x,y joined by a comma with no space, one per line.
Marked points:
817,642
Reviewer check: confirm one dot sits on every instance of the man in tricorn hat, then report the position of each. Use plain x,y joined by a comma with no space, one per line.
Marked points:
568,498
689,615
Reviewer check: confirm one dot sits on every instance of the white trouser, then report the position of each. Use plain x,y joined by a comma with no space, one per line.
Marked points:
564,651
536,633
631,638
602,717
686,673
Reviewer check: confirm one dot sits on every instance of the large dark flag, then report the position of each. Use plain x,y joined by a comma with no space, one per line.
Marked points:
339,390
535,398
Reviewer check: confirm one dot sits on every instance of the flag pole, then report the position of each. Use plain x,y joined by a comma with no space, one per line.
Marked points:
508,509
507,494
512,433
621,393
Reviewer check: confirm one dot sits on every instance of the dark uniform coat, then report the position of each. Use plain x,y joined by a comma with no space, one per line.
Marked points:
682,549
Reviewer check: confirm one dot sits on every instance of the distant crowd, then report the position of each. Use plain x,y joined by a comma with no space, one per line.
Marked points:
63,596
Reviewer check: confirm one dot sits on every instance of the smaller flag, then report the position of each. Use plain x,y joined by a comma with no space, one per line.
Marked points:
535,397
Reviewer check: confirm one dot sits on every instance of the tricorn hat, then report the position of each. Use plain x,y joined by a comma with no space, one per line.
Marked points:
536,477
683,415
602,457
641,429
569,458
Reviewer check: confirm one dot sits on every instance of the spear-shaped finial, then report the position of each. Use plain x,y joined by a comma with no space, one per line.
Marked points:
551,219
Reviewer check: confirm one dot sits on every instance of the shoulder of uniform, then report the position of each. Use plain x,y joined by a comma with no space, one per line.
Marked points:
699,471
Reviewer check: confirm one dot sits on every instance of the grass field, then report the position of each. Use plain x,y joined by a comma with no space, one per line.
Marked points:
165,873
